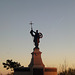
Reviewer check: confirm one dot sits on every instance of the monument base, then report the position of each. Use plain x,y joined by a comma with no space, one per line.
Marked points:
35,71
36,66
36,60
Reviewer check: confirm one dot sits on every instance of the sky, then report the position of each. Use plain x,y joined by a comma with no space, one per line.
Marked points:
55,19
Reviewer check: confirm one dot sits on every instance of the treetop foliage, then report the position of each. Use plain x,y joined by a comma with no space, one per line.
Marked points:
9,64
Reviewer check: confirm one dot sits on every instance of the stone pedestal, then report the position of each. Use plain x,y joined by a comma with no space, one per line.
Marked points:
36,60
36,66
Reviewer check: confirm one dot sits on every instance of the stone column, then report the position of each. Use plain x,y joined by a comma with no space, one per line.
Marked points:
36,61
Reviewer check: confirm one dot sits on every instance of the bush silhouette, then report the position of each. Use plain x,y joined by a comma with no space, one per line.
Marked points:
11,64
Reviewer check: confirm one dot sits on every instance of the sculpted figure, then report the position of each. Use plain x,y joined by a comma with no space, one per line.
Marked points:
36,36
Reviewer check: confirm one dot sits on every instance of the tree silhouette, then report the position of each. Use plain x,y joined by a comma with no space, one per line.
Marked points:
70,71
11,64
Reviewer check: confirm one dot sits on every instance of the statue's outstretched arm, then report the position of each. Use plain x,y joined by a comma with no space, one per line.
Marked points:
31,32
34,31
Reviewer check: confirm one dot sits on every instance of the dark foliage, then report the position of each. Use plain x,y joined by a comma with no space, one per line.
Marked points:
70,71
11,65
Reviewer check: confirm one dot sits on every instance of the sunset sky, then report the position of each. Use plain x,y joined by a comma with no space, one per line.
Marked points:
55,19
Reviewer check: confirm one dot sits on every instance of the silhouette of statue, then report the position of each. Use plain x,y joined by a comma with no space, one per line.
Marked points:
36,36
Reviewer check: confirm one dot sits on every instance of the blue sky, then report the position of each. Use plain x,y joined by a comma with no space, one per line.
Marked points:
54,18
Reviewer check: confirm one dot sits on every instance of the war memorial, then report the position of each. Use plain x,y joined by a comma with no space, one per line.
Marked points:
36,66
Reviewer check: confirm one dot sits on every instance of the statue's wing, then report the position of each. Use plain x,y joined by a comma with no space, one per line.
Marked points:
40,35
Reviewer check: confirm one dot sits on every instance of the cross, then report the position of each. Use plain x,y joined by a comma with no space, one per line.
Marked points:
31,25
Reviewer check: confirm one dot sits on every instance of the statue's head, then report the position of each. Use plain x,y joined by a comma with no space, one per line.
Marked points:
36,31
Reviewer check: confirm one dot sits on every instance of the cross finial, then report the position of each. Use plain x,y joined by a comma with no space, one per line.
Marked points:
31,25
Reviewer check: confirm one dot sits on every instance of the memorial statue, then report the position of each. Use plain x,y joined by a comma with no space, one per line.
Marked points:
36,36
